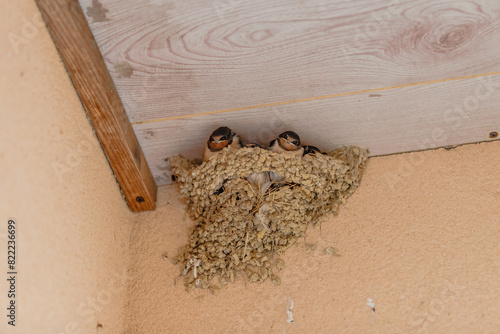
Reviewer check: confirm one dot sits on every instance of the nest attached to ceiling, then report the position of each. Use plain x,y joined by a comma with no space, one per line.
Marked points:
240,229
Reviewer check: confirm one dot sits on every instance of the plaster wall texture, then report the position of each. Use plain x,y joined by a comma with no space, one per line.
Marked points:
419,237
73,226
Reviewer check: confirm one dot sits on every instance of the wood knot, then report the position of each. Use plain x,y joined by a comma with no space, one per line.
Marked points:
261,35
437,37
449,38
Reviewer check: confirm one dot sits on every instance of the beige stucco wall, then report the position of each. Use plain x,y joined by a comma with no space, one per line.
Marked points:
73,226
419,237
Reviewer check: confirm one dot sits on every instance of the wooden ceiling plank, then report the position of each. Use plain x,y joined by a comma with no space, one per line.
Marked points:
81,56
172,58
414,118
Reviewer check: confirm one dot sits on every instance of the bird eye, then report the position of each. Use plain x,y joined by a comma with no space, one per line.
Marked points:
285,136
296,143
223,138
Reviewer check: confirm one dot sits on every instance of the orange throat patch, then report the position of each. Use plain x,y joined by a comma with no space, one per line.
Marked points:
287,146
218,146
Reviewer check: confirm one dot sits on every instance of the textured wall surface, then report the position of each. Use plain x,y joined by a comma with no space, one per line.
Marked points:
73,225
419,237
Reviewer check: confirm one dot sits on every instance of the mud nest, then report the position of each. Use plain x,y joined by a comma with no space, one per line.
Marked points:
240,228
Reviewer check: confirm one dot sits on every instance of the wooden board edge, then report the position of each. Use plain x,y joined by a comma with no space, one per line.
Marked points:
78,50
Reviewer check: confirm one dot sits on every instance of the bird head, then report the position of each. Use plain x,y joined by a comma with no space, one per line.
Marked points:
289,140
220,138
312,150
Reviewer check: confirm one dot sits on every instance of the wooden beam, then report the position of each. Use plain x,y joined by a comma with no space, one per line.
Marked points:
79,52
392,76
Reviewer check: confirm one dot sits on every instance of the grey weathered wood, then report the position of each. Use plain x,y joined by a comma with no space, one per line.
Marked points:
182,57
174,59
395,120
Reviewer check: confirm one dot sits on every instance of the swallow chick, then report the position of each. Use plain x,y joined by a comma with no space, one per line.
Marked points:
252,145
287,142
220,138
311,150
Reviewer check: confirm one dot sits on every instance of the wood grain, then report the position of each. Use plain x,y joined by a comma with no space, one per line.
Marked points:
397,120
197,56
179,58
75,43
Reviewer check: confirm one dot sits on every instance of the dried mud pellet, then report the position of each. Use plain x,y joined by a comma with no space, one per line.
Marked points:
254,278
316,186
275,279
201,283
280,264
214,289
331,251
263,273
310,247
